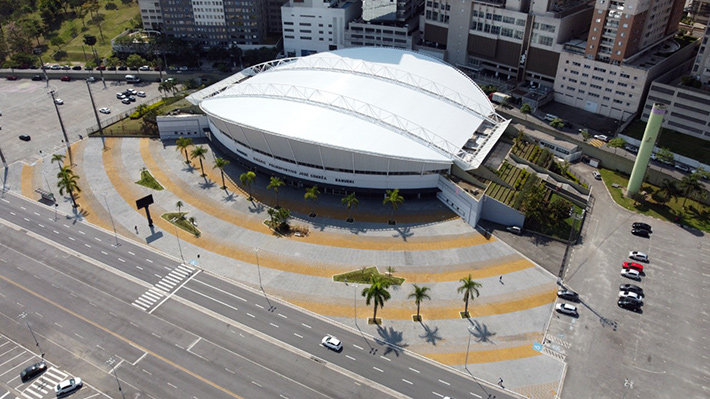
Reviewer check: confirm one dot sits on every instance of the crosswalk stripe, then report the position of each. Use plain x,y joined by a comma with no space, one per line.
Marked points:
139,306
165,287
172,279
152,295
180,273
145,301
185,269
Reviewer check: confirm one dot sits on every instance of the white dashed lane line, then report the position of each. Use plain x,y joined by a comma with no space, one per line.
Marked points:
380,370
40,225
408,382
389,360
26,220
251,315
121,260
148,260
97,239
72,238
350,357
81,232
274,325
55,231
87,245
104,252
259,306
280,315
36,213
131,253
306,325
139,268
298,335
444,382
359,347
416,371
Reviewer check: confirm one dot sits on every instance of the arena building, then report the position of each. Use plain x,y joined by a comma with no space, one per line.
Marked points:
358,119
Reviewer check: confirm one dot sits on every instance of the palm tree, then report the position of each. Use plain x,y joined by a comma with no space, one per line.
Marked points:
179,205
469,289
312,195
182,143
350,201
59,159
393,197
68,183
199,153
376,292
689,184
247,179
668,189
419,294
525,109
274,184
221,163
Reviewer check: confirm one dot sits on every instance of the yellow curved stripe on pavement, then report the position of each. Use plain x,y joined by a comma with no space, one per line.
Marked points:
484,356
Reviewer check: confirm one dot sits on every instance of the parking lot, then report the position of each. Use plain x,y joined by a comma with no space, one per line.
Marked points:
27,108
661,351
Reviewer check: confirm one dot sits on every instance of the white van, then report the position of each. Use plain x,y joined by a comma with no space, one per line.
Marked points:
551,117
132,79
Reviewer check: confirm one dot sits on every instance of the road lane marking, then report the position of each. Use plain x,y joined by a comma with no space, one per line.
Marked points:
87,245
23,208
416,371
55,231
158,336
350,357
97,239
81,232
359,347
66,226
58,325
26,220
306,325
147,372
138,267
259,306
285,317
37,214
13,214
121,260
172,385
72,238
274,325
257,384
131,253
251,315
478,396
380,370
194,343
99,346
229,371
78,335
104,252
179,346
444,382
299,336
40,225
148,260
158,275
408,382
389,360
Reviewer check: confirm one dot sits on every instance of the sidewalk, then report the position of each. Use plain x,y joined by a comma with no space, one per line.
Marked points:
508,317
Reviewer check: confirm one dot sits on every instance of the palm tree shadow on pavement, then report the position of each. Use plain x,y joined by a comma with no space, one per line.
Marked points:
207,184
392,339
230,197
404,232
189,168
257,207
430,335
481,332
77,215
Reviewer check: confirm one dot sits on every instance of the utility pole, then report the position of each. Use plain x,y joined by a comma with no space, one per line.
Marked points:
61,124
96,113
38,51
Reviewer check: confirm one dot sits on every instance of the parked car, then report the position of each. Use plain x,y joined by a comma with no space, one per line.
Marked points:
568,295
66,67
132,98
131,92
91,79
67,386
105,110
144,68
630,287
58,101
12,77
640,232
682,168
76,68
66,78
631,148
631,295
331,342
601,137
141,94
126,101
597,175
25,137
631,273
101,68
639,256
37,77
33,371
122,68
639,225
632,265
566,308
515,230
111,68
55,67
120,96
629,304
88,68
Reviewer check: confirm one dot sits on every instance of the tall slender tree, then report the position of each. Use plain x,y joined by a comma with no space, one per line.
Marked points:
179,205
221,163
68,184
419,294
350,201
393,197
199,153
182,144
248,179
59,159
312,195
377,293
274,184
469,288
690,184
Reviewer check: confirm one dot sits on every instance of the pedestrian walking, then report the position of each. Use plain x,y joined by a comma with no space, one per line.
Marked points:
136,227
500,382
500,279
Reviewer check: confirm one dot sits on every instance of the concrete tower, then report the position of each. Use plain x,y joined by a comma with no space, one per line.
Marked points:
653,127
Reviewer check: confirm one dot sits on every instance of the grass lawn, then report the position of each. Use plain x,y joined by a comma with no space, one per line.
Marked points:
362,276
149,181
681,144
694,214
179,220
72,31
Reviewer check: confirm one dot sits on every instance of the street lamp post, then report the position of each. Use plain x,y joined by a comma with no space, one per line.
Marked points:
112,223
61,124
110,362
38,51
96,114
179,246
258,268
468,346
23,315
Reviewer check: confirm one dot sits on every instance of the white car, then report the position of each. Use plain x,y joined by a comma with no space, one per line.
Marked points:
67,386
144,68
331,342
515,230
639,256
631,273
566,308
105,110
597,175
632,295
120,96
58,101
141,94
601,137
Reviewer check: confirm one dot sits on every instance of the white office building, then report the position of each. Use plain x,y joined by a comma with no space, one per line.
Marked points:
314,26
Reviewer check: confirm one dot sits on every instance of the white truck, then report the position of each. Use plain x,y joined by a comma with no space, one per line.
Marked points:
499,98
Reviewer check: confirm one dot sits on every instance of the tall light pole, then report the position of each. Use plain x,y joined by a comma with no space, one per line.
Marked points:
38,51
61,124
96,113
110,362
112,223
468,346
178,240
258,268
23,315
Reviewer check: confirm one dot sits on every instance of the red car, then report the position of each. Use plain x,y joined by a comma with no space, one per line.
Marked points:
12,77
65,78
633,265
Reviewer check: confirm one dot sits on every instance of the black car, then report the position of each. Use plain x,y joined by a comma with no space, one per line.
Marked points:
631,287
111,68
630,304
122,68
76,67
639,225
25,137
37,77
33,371
568,295
640,232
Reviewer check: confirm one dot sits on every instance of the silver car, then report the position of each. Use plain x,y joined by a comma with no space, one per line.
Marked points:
331,342
67,386
639,256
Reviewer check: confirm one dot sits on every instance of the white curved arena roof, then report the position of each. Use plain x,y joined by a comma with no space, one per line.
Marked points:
380,101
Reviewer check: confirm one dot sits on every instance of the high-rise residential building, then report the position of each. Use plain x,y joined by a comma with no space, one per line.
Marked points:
386,23
629,43
208,22
314,26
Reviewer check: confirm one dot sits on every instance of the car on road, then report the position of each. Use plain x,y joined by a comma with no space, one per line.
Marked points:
331,342
67,386
105,110
37,77
633,265
632,295
55,67
144,68
639,225
33,371
631,148
597,175
125,101
682,168
141,94
601,137
515,230
629,304
25,137
58,101
566,308
631,273
631,287
12,77
65,78
639,256
568,295
640,232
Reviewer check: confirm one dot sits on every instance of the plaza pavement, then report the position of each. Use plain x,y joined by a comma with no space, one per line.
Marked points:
428,246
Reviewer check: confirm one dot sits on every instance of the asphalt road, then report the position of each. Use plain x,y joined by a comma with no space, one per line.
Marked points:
170,330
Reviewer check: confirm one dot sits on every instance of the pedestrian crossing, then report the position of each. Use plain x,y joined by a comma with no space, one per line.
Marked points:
596,143
163,287
44,385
